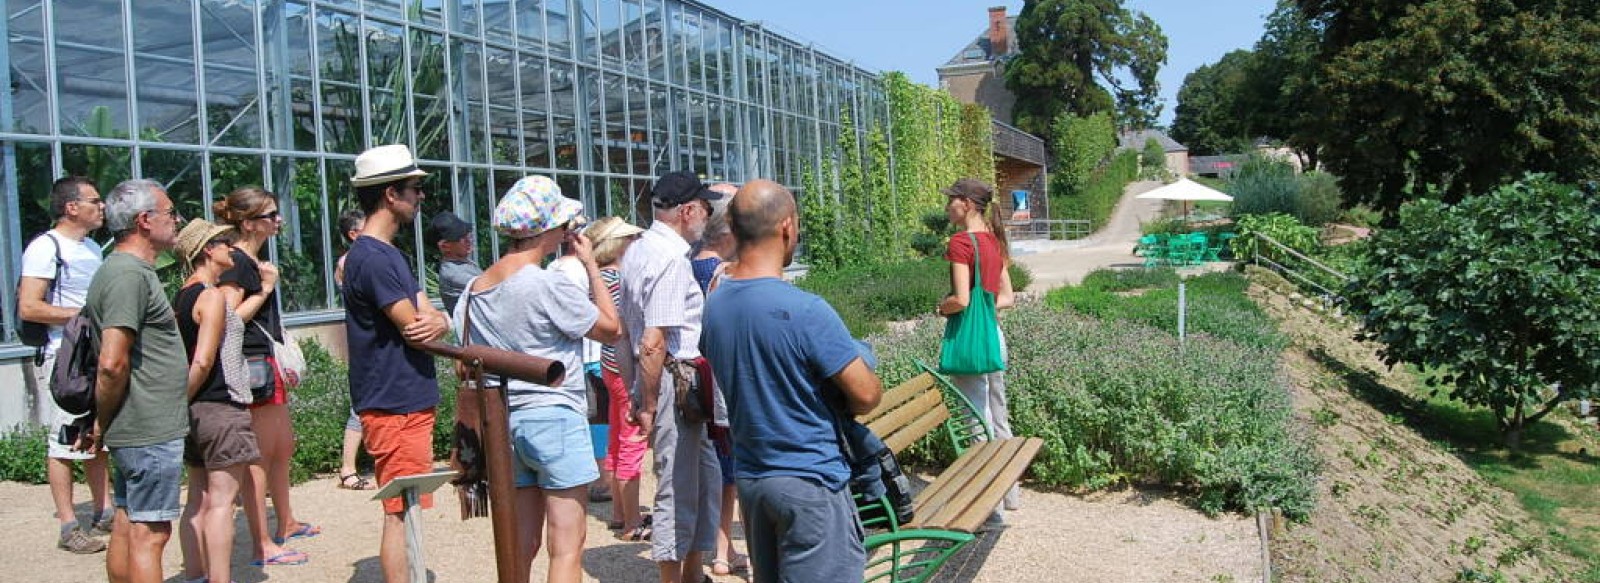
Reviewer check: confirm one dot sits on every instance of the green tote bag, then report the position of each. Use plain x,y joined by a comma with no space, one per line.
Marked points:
971,343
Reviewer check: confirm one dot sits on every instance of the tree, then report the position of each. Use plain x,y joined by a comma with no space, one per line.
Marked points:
1211,117
1460,95
1497,292
1083,57
1082,145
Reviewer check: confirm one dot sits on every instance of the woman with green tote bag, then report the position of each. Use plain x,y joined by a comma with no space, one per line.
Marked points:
973,349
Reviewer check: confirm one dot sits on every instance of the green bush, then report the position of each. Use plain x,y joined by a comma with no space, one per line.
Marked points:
321,404
1319,199
1116,403
1264,185
1216,304
869,297
22,455
1098,197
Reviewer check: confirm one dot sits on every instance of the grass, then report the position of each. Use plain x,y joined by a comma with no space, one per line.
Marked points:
1555,475
1556,484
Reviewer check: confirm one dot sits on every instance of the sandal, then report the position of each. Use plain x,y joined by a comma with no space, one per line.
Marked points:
355,482
286,558
739,564
639,533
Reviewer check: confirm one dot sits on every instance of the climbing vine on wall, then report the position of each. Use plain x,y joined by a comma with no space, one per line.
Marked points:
865,198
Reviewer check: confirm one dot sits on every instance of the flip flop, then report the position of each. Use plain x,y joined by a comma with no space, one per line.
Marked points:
288,557
306,530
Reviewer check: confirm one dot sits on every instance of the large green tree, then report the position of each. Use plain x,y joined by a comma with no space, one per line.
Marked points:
1083,57
1458,95
1210,117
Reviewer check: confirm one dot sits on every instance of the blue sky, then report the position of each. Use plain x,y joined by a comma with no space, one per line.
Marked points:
917,35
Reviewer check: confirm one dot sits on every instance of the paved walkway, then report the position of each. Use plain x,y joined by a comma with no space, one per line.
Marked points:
1058,263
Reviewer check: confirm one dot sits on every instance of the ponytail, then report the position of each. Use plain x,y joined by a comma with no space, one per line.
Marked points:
998,229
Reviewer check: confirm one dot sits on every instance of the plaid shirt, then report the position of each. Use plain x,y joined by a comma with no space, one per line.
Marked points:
659,291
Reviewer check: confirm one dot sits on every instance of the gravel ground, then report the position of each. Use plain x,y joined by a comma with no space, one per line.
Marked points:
1109,537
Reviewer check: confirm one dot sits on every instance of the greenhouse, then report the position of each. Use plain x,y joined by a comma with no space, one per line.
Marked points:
209,95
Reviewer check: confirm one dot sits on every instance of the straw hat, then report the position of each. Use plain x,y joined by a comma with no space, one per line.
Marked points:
610,228
385,164
194,236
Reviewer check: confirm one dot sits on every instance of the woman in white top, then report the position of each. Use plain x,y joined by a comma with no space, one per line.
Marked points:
518,306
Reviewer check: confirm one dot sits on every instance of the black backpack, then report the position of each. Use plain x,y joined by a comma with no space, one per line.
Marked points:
77,363
34,333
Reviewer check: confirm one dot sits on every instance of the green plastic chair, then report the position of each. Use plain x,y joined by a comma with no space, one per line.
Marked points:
911,556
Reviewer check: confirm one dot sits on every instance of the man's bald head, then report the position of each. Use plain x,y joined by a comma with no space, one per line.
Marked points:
758,209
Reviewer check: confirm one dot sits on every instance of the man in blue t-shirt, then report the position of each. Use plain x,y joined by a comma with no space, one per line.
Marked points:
392,385
773,347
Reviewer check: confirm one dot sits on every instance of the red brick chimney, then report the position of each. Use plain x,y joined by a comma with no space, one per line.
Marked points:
999,32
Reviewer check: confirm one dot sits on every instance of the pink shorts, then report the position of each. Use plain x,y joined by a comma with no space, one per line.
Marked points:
625,446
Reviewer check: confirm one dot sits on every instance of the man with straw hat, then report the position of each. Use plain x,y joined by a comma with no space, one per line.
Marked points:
387,316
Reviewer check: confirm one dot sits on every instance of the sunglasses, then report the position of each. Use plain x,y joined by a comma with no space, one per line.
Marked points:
272,216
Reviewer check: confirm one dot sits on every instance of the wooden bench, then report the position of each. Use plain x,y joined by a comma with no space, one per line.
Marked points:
956,504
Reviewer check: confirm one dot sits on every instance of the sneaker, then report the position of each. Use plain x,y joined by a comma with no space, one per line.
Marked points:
101,529
79,542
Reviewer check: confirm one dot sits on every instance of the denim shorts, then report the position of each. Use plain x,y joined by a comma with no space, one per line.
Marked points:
146,480
552,449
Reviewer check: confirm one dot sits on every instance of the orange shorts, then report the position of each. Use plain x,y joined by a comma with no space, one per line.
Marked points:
401,445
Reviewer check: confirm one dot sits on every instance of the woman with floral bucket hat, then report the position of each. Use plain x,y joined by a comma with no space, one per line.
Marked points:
519,306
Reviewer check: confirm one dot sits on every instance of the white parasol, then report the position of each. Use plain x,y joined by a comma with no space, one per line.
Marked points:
1185,190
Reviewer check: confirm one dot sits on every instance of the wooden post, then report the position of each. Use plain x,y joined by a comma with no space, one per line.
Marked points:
496,432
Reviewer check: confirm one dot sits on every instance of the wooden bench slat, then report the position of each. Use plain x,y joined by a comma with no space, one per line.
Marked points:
962,497
899,394
1001,481
925,404
902,437
947,486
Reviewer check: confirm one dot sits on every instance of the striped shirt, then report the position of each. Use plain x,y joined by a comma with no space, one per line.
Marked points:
613,281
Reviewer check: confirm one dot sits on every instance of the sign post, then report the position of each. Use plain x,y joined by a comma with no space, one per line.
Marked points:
410,490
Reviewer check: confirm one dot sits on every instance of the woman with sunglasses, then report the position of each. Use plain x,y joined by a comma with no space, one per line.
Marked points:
250,288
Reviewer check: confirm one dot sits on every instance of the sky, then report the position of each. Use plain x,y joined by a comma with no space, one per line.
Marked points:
915,36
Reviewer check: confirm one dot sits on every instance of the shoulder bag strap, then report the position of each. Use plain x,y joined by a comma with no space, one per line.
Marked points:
977,261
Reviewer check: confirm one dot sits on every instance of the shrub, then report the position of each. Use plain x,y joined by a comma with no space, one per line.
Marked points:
1319,199
868,297
1264,185
1098,197
22,455
1116,403
1083,144
1216,304
1497,291
321,404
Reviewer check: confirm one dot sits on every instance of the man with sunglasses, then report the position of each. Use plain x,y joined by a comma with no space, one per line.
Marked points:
56,269
141,401
387,316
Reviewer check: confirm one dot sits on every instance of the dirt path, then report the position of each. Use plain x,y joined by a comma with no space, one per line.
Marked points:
1110,537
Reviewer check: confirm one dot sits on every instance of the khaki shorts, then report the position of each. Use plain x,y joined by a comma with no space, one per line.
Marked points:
220,436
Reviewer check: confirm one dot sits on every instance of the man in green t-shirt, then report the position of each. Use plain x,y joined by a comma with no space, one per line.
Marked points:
140,397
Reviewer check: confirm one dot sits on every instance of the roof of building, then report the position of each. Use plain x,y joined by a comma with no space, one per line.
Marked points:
1135,139
979,50
1217,165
